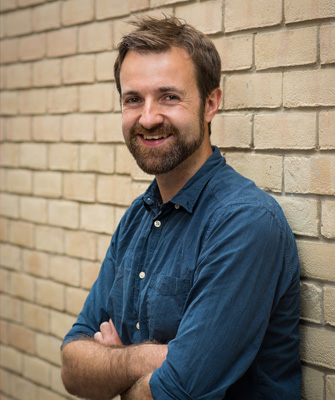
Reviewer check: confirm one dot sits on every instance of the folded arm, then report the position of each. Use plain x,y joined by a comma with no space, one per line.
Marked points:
102,368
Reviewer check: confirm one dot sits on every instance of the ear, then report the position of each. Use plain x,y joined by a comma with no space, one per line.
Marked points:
212,104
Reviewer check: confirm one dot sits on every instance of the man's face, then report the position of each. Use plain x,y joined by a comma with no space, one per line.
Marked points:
162,116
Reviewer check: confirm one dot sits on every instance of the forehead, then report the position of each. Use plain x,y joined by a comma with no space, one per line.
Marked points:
173,67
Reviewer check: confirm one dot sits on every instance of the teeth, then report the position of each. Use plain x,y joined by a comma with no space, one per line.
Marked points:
148,137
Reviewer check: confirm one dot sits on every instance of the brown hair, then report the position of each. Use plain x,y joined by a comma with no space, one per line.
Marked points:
158,35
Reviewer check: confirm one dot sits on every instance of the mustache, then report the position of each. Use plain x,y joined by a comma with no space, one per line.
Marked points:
160,129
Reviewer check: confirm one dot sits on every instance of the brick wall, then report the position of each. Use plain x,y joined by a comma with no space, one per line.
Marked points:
66,176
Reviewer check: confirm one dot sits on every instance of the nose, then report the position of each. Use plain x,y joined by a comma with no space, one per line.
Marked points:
150,115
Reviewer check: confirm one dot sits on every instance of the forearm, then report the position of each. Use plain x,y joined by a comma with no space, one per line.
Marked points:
140,390
95,371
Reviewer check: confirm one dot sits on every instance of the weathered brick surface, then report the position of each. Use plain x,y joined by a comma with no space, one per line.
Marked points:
67,177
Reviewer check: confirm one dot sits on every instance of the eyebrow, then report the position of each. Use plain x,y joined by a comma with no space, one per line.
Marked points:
163,89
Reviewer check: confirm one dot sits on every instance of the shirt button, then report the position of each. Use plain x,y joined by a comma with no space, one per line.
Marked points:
141,275
137,325
157,224
176,206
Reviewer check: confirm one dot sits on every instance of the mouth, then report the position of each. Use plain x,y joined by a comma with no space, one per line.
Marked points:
154,140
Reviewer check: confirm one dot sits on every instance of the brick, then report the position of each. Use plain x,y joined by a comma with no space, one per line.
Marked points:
317,346
78,128
25,3
35,263
80,244
47,184
240,14
123,160
65,270
327,44
97,218
327,130
109,129
137,189
310,302
9,103
105,66
63,100
50,294
232,130
286,48
60,324
121,27
317,260
22,338
18,128
44,394
235,52
23,389
10,308
46,16
49,239
32,47
309,88
78,69
10,256
56,382
33,209
47,73
95,37
314,174
77,11
328,218
206,16
114,190
96,97
138,174
22,286
329,302
63,213
19,181
79,186
158,3
111,8
4,236
135,5
264,170
312,383
99,158
46,128
6,5
302,215
33,101
9,50
302,10
330,386
90,271
11,359
5,378
63,156
18,76
285,131
75,299
253,91
3,71
18,23
22,233
9,205
33,155
62,42
9,155
35,317
36,370
48,348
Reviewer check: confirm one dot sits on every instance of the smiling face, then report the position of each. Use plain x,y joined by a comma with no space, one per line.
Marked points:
162,117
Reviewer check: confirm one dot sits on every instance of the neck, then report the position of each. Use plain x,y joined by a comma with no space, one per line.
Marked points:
171,182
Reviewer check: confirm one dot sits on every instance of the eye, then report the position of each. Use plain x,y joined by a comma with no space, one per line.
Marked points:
131,100
171,98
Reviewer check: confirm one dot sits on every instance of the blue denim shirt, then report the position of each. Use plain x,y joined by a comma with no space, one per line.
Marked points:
214,273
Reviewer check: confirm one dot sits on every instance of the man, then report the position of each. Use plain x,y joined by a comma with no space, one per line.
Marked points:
197,297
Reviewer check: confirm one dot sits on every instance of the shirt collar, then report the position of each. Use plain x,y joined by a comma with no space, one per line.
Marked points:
189,194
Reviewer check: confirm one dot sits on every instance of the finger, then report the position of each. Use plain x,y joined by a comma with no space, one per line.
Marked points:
115,337
106,330
98,337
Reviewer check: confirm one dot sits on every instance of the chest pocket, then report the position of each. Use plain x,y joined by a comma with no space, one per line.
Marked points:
166,300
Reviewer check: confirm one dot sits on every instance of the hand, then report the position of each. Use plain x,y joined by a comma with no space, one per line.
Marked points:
139,391
108,335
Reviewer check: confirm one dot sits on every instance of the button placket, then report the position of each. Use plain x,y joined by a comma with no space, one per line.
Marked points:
157,223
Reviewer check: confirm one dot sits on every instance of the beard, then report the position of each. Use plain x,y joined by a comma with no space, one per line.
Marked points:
160,160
